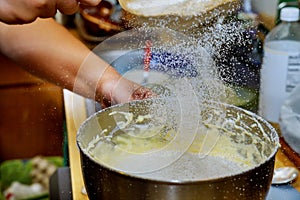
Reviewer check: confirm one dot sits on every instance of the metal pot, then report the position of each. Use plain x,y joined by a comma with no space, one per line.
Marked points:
104,182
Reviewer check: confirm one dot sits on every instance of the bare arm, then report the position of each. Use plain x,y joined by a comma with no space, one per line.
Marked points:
48,50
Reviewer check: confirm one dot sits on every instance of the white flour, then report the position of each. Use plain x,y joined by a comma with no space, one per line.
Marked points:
170,7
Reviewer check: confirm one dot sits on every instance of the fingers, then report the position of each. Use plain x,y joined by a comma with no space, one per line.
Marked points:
67,7
122,90
20,12
127,91
142,93
26,11
139,94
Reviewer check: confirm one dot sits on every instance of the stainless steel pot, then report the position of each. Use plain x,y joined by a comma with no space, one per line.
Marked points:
103,182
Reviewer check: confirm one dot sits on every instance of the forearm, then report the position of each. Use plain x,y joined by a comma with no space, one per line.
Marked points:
48,50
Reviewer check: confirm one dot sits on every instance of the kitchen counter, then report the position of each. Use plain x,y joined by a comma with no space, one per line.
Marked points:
76,113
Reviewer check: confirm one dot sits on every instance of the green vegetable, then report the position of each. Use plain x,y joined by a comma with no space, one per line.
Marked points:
19,170
15,170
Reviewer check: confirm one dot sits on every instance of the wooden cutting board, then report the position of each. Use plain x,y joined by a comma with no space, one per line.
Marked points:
75,110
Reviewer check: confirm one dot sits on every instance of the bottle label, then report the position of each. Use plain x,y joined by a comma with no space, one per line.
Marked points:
293,72
279,76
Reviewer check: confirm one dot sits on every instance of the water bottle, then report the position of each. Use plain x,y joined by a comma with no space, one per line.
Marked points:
280,71
283,4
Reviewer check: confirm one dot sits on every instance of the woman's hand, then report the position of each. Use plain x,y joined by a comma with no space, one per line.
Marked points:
26,11
117,89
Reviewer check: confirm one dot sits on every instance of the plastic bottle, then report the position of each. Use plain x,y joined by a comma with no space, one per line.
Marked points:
280,71
283,4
